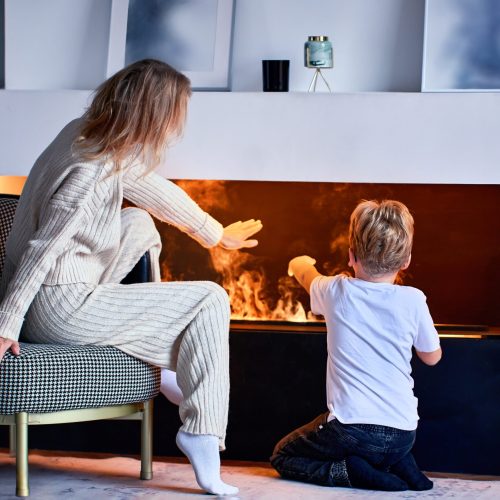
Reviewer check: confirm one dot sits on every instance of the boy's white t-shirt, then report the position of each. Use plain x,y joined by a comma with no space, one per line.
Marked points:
371,330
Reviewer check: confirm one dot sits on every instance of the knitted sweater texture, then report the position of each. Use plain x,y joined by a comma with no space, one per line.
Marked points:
67,225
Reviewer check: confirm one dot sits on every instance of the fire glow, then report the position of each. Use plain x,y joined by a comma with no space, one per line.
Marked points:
252,294
247,290
307,218
312,218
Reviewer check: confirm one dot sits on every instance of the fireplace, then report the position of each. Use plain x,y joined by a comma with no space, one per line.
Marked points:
278,365
278,349
455,259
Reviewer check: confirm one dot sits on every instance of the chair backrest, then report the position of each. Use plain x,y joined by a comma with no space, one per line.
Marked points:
141,273
8,207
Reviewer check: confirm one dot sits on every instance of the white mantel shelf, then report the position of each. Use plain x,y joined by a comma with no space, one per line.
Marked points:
297,136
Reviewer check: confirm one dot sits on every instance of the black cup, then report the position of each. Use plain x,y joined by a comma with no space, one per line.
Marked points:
275,75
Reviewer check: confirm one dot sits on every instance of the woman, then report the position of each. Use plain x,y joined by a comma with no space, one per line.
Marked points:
71,244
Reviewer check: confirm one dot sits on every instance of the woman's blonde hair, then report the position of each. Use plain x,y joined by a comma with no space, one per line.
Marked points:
381,236
135,113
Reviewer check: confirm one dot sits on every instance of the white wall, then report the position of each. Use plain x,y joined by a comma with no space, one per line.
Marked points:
56,44
29,120
369,137
359,137
377,44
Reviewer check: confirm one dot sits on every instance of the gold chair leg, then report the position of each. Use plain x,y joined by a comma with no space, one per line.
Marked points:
22,487
147,441
12,440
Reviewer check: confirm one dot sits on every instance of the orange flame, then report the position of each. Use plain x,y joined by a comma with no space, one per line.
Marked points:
251,295
248,289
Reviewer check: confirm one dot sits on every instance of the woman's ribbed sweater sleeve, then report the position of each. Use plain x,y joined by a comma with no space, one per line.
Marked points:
59,221
169,203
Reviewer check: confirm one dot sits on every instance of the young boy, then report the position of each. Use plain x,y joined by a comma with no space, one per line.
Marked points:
365,438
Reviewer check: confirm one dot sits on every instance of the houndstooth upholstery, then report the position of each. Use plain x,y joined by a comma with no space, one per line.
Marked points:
48,378
7,211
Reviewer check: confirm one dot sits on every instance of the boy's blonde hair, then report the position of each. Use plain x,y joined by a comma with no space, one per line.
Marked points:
381,236
134,113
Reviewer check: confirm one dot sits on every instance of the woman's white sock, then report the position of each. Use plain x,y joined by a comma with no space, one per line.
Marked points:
203,453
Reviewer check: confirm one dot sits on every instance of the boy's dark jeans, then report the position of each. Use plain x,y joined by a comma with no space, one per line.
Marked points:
316,452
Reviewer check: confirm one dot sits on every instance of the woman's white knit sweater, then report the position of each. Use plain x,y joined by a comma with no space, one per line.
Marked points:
67,226
69,248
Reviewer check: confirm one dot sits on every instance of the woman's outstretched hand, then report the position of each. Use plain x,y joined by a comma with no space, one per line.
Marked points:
235,236
6,344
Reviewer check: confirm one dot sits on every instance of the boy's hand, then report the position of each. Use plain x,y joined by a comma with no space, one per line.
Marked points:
304,271
299,262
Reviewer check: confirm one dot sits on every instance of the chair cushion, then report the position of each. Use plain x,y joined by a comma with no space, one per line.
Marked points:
47,378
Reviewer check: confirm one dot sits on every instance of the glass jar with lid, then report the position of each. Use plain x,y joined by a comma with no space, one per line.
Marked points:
318,52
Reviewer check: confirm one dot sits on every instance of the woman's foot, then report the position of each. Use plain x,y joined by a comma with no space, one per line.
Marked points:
361,474
407,469
203,453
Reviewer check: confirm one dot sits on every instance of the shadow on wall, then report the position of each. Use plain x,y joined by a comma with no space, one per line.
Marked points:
158,29
410,36
478,29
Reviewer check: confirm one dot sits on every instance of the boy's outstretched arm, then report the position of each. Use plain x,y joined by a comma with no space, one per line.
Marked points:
304,271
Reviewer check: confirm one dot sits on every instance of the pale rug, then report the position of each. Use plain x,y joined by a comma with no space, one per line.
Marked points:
94,477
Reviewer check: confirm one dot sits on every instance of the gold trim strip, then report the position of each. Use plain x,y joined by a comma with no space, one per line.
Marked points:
460,336
83,415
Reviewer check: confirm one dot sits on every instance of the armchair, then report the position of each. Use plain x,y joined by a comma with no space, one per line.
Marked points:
50,384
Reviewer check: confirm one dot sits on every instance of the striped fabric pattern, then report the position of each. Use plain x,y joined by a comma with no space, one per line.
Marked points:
70,246
47,377
182,326
68,223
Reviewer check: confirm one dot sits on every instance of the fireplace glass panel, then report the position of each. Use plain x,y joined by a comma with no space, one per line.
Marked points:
455,258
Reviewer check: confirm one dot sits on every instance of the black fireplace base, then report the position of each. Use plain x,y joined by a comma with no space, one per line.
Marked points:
278,384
